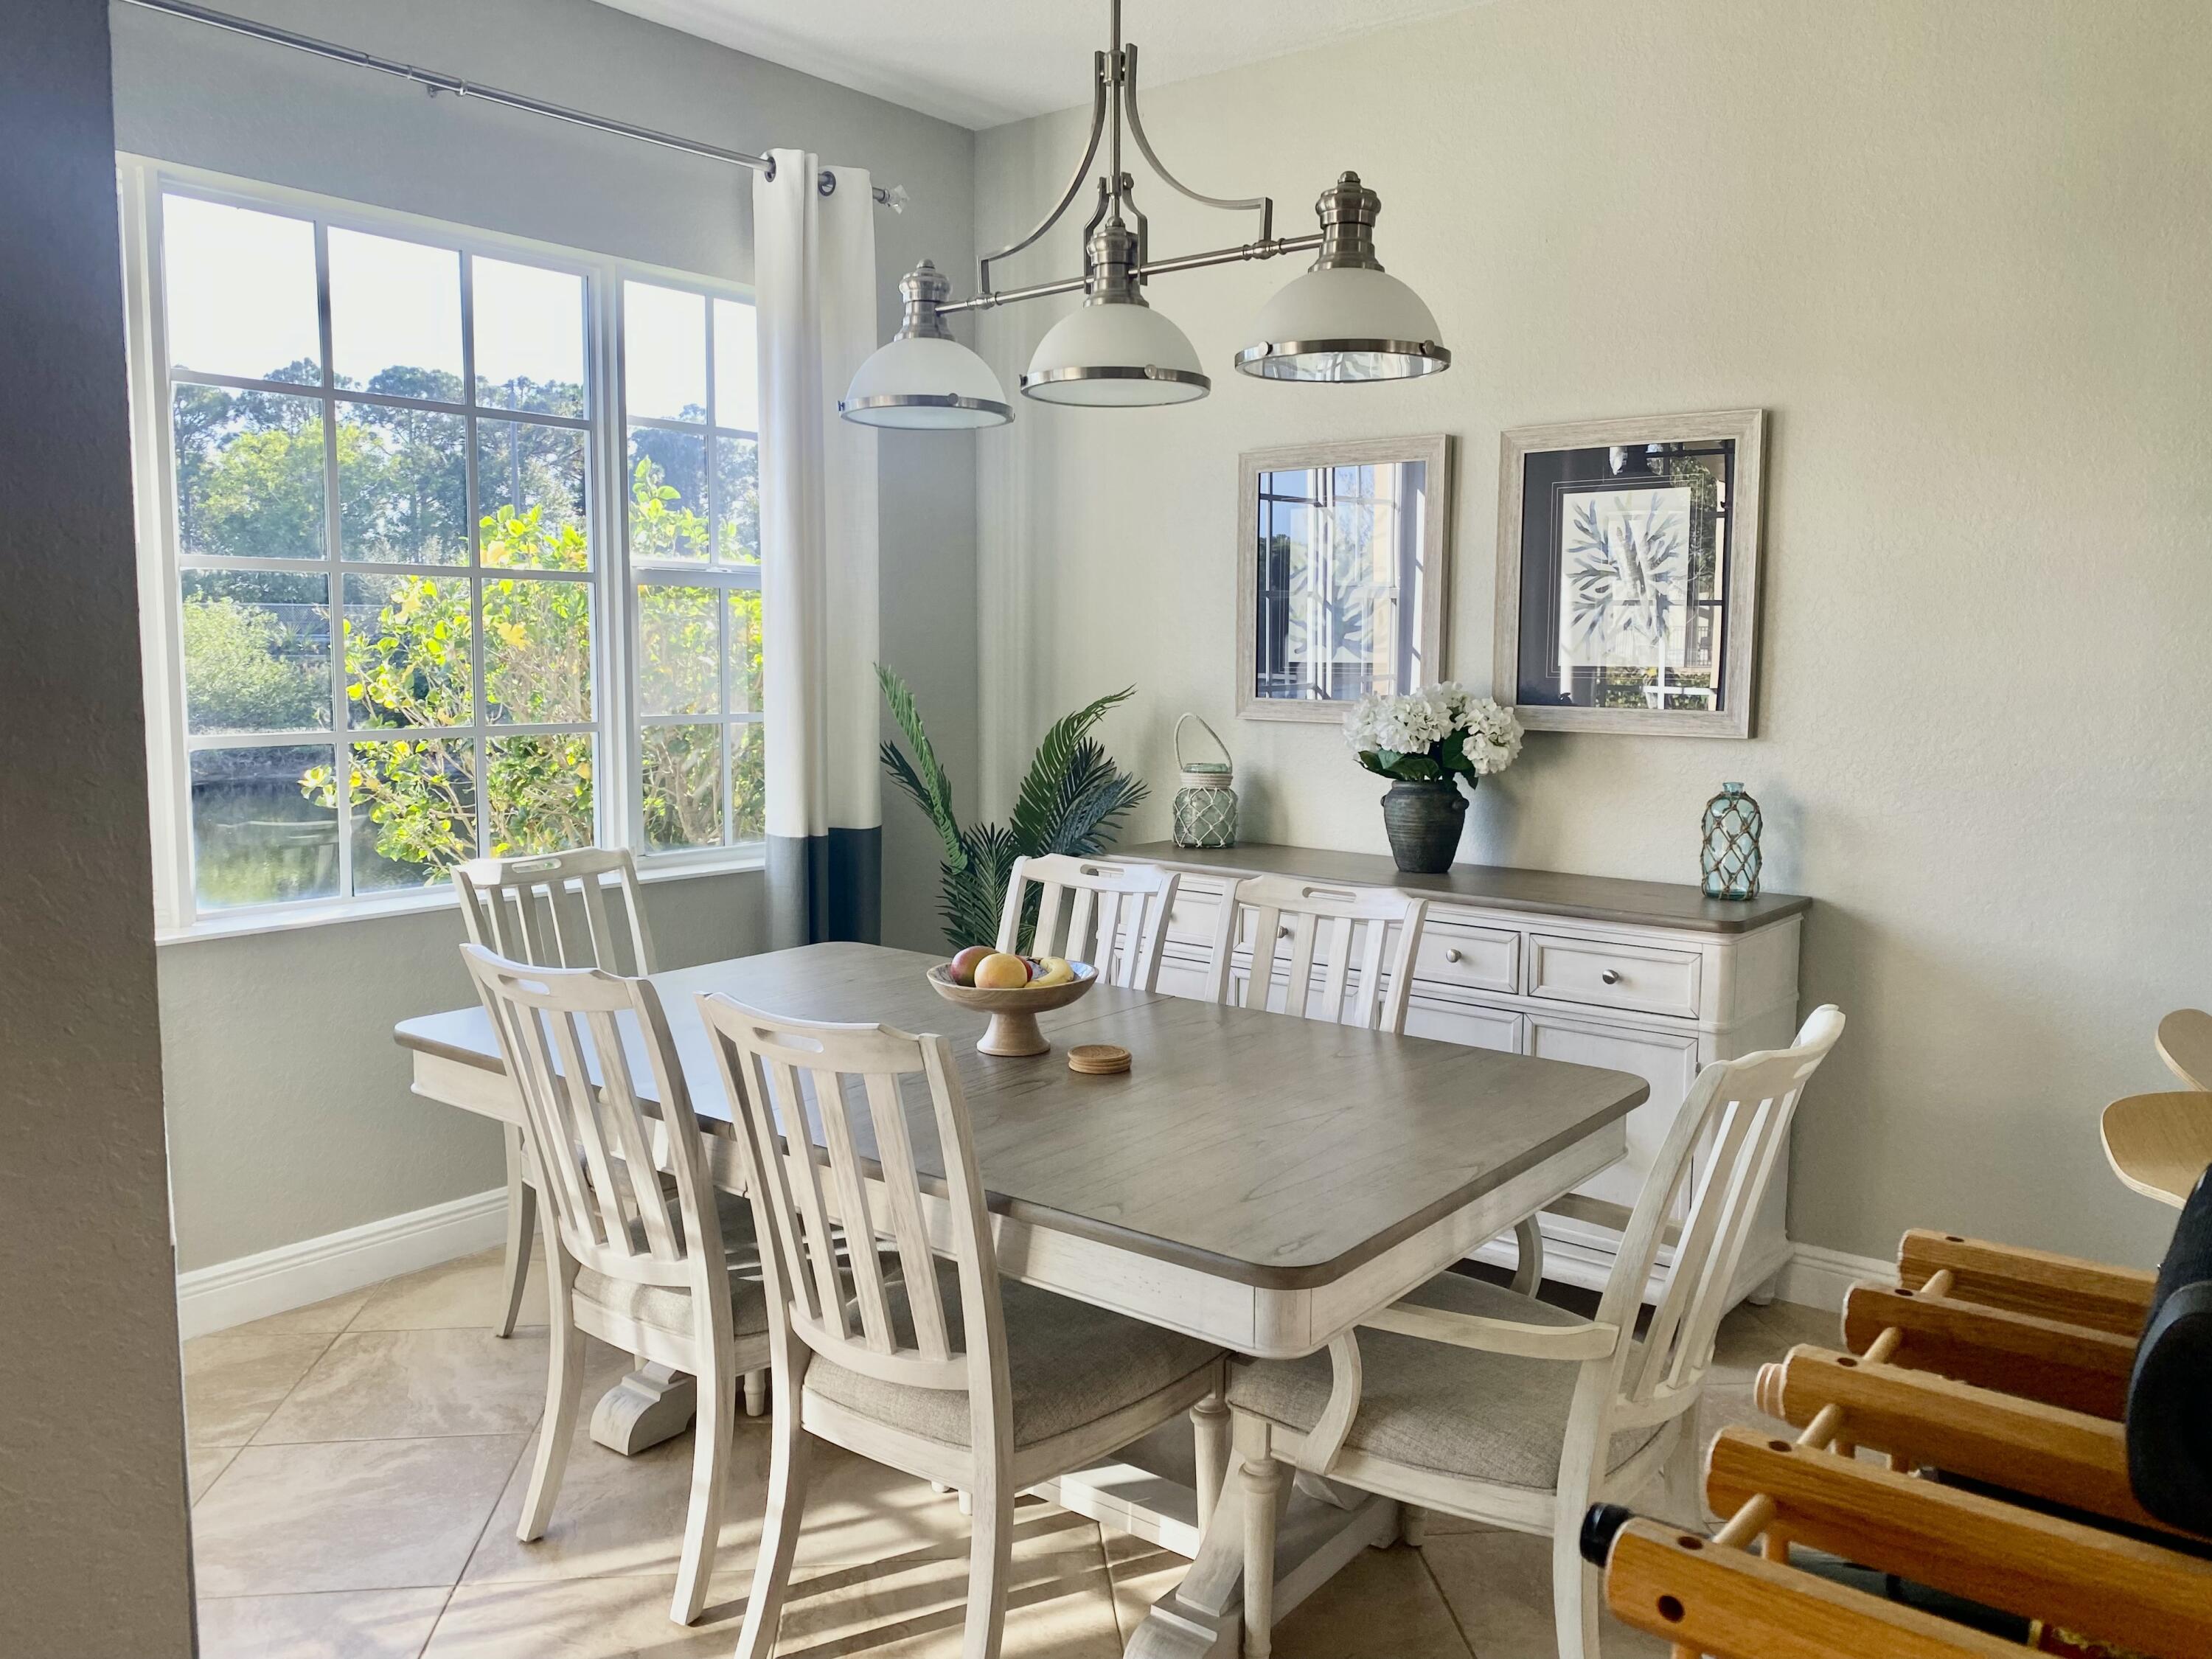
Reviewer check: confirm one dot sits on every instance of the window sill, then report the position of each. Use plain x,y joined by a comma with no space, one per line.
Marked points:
240,924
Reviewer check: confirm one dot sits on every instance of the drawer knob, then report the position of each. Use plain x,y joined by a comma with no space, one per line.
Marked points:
1451,953
1283,932
1611,977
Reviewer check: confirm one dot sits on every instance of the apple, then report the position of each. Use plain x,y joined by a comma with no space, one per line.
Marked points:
1001,971
964,965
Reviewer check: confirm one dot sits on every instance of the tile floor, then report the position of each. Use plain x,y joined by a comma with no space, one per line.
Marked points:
356,1468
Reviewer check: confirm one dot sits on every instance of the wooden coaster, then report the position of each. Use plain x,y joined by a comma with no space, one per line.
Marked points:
1098,1059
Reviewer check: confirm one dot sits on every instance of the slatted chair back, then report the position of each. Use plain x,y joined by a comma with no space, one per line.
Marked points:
575,1042
1363,938
816,1215
554,909
1726,1141
1112,915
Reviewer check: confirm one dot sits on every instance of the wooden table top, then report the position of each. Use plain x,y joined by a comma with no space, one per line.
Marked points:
1541,892
1273,1151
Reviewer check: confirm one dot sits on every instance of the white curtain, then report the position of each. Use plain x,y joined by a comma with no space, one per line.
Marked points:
815,271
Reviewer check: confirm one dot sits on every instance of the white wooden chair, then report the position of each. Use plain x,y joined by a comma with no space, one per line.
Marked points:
946,1374
1344,933
1466,1398
1111,915
551,910
624,1264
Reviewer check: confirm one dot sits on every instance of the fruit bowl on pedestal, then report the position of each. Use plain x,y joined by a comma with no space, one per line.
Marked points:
1013,1009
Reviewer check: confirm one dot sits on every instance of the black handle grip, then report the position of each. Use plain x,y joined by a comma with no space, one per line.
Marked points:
1600,1525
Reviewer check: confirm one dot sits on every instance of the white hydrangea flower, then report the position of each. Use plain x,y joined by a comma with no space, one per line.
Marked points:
1418,723
1493,735
1363,726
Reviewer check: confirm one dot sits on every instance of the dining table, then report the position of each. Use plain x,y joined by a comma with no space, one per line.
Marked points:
1259,1181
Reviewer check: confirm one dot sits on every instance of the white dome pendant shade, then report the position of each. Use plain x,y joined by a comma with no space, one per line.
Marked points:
1345,319
923,379
1116,352
1115,355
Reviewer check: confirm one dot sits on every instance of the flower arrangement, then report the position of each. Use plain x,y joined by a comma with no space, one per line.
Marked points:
1432,734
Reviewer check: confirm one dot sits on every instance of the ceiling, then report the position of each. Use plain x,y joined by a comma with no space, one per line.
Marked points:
979,62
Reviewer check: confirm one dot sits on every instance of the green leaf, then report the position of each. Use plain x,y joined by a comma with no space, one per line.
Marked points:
1035,813
925,779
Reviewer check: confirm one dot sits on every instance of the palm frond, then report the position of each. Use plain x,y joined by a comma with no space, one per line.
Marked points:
924,778
974,893
1032,818
1092,822
1094,793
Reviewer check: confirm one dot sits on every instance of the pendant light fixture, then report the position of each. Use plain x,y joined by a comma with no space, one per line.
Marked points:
1345,319
925,380
1116,351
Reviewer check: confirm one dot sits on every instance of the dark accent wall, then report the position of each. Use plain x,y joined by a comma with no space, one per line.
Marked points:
94,1554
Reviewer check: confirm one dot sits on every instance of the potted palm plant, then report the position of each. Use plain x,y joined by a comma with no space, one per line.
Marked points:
1073,801
1424,743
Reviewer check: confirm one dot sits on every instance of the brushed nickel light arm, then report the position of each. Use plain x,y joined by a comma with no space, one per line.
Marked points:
1263,205
1099,84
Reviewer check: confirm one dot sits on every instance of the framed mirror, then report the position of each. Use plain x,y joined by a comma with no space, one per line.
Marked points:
1343,560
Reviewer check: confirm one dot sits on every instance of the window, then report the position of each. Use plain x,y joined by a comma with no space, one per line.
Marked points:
417,601
691,398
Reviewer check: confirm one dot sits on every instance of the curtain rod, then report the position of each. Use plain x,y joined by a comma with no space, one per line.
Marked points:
894,198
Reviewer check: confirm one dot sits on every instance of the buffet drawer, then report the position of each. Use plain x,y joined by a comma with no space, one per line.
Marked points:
1602,974
1195,916
1475,959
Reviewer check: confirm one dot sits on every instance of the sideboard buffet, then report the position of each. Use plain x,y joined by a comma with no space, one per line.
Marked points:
1637,977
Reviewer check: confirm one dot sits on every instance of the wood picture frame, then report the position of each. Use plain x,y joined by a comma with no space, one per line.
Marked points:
1429,630
1532,579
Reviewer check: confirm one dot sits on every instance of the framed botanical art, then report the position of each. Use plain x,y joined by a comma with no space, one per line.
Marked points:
1341,573
1628,574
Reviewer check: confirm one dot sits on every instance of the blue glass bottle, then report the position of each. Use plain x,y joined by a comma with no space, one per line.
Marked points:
1731,858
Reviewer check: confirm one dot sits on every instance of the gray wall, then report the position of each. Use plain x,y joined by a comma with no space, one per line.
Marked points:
92,1462
289,1110
1958,251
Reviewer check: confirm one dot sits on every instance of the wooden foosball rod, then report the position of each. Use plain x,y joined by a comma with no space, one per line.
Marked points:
1756,1518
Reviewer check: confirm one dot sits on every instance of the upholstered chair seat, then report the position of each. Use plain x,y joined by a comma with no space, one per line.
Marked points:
1448,1410
1070,1364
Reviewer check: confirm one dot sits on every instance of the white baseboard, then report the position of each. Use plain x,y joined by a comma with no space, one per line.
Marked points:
1818,1278
294,1275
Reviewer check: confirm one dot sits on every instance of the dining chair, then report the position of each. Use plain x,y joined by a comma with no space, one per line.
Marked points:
1111,915
1343,932
946,1373
549,909
1466,1398
623,1263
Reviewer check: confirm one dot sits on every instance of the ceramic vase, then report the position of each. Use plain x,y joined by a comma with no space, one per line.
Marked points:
1424,820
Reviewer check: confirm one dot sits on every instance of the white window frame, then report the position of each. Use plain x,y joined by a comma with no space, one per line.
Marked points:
617,792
